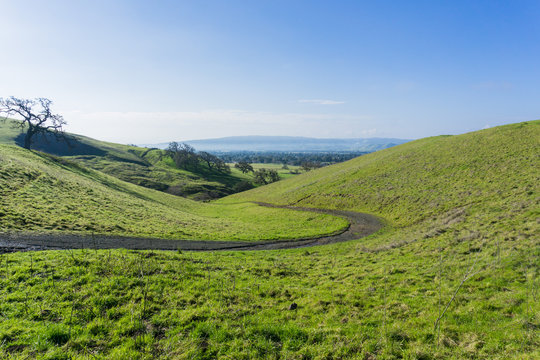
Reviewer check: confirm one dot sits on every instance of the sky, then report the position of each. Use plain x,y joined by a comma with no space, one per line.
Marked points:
147,72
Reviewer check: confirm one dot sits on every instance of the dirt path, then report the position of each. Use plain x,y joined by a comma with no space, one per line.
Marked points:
360,225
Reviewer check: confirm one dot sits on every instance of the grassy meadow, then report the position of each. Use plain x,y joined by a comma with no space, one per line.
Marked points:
292,170
453,275
43,193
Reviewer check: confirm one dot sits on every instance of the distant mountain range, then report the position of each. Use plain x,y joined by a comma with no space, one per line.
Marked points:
287,144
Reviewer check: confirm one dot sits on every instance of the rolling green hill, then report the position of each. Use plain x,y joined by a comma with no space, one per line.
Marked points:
140,166
454,275
40,192
484,182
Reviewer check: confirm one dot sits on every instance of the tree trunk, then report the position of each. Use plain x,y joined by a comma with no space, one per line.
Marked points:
28,138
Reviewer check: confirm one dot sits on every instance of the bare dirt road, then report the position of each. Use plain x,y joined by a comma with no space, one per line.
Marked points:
360,225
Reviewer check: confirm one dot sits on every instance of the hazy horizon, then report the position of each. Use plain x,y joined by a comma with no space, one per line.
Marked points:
280,136
139,72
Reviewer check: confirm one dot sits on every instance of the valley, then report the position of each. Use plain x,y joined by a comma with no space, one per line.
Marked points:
273,180
453,272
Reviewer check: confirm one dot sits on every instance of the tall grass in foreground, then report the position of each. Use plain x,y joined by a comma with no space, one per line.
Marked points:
352,303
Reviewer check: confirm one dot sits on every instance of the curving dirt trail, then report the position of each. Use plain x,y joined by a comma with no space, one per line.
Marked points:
360,225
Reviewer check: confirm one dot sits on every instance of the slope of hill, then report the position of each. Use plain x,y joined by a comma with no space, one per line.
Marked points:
140,166
43,193
455,275
486,179
290,144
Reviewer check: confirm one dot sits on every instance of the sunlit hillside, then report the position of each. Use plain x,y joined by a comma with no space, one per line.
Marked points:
43,193
454,275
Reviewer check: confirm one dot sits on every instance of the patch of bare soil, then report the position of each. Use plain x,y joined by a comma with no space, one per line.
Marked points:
360,225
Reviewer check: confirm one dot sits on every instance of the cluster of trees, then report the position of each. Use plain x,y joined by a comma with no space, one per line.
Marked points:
260,176
186,157
265,176
290,158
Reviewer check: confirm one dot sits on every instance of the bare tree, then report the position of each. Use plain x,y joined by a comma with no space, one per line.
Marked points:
35,117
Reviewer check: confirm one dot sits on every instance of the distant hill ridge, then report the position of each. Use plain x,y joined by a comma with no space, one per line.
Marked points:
289,143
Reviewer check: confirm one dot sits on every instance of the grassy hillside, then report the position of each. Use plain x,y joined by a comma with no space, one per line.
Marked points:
140,166
40,192
455,275
485,181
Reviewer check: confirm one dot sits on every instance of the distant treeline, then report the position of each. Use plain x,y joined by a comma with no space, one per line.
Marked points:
289,158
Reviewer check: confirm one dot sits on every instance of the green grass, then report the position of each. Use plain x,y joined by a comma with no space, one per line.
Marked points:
8,133
352,304
462,234
283,173
449,182
162,175
42,193
140,166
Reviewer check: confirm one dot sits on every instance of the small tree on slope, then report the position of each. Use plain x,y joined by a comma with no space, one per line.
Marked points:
35,117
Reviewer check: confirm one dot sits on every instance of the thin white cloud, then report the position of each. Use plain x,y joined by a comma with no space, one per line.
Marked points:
155,127
321,101
368,132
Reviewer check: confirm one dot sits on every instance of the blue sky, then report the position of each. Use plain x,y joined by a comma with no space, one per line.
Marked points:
155,71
